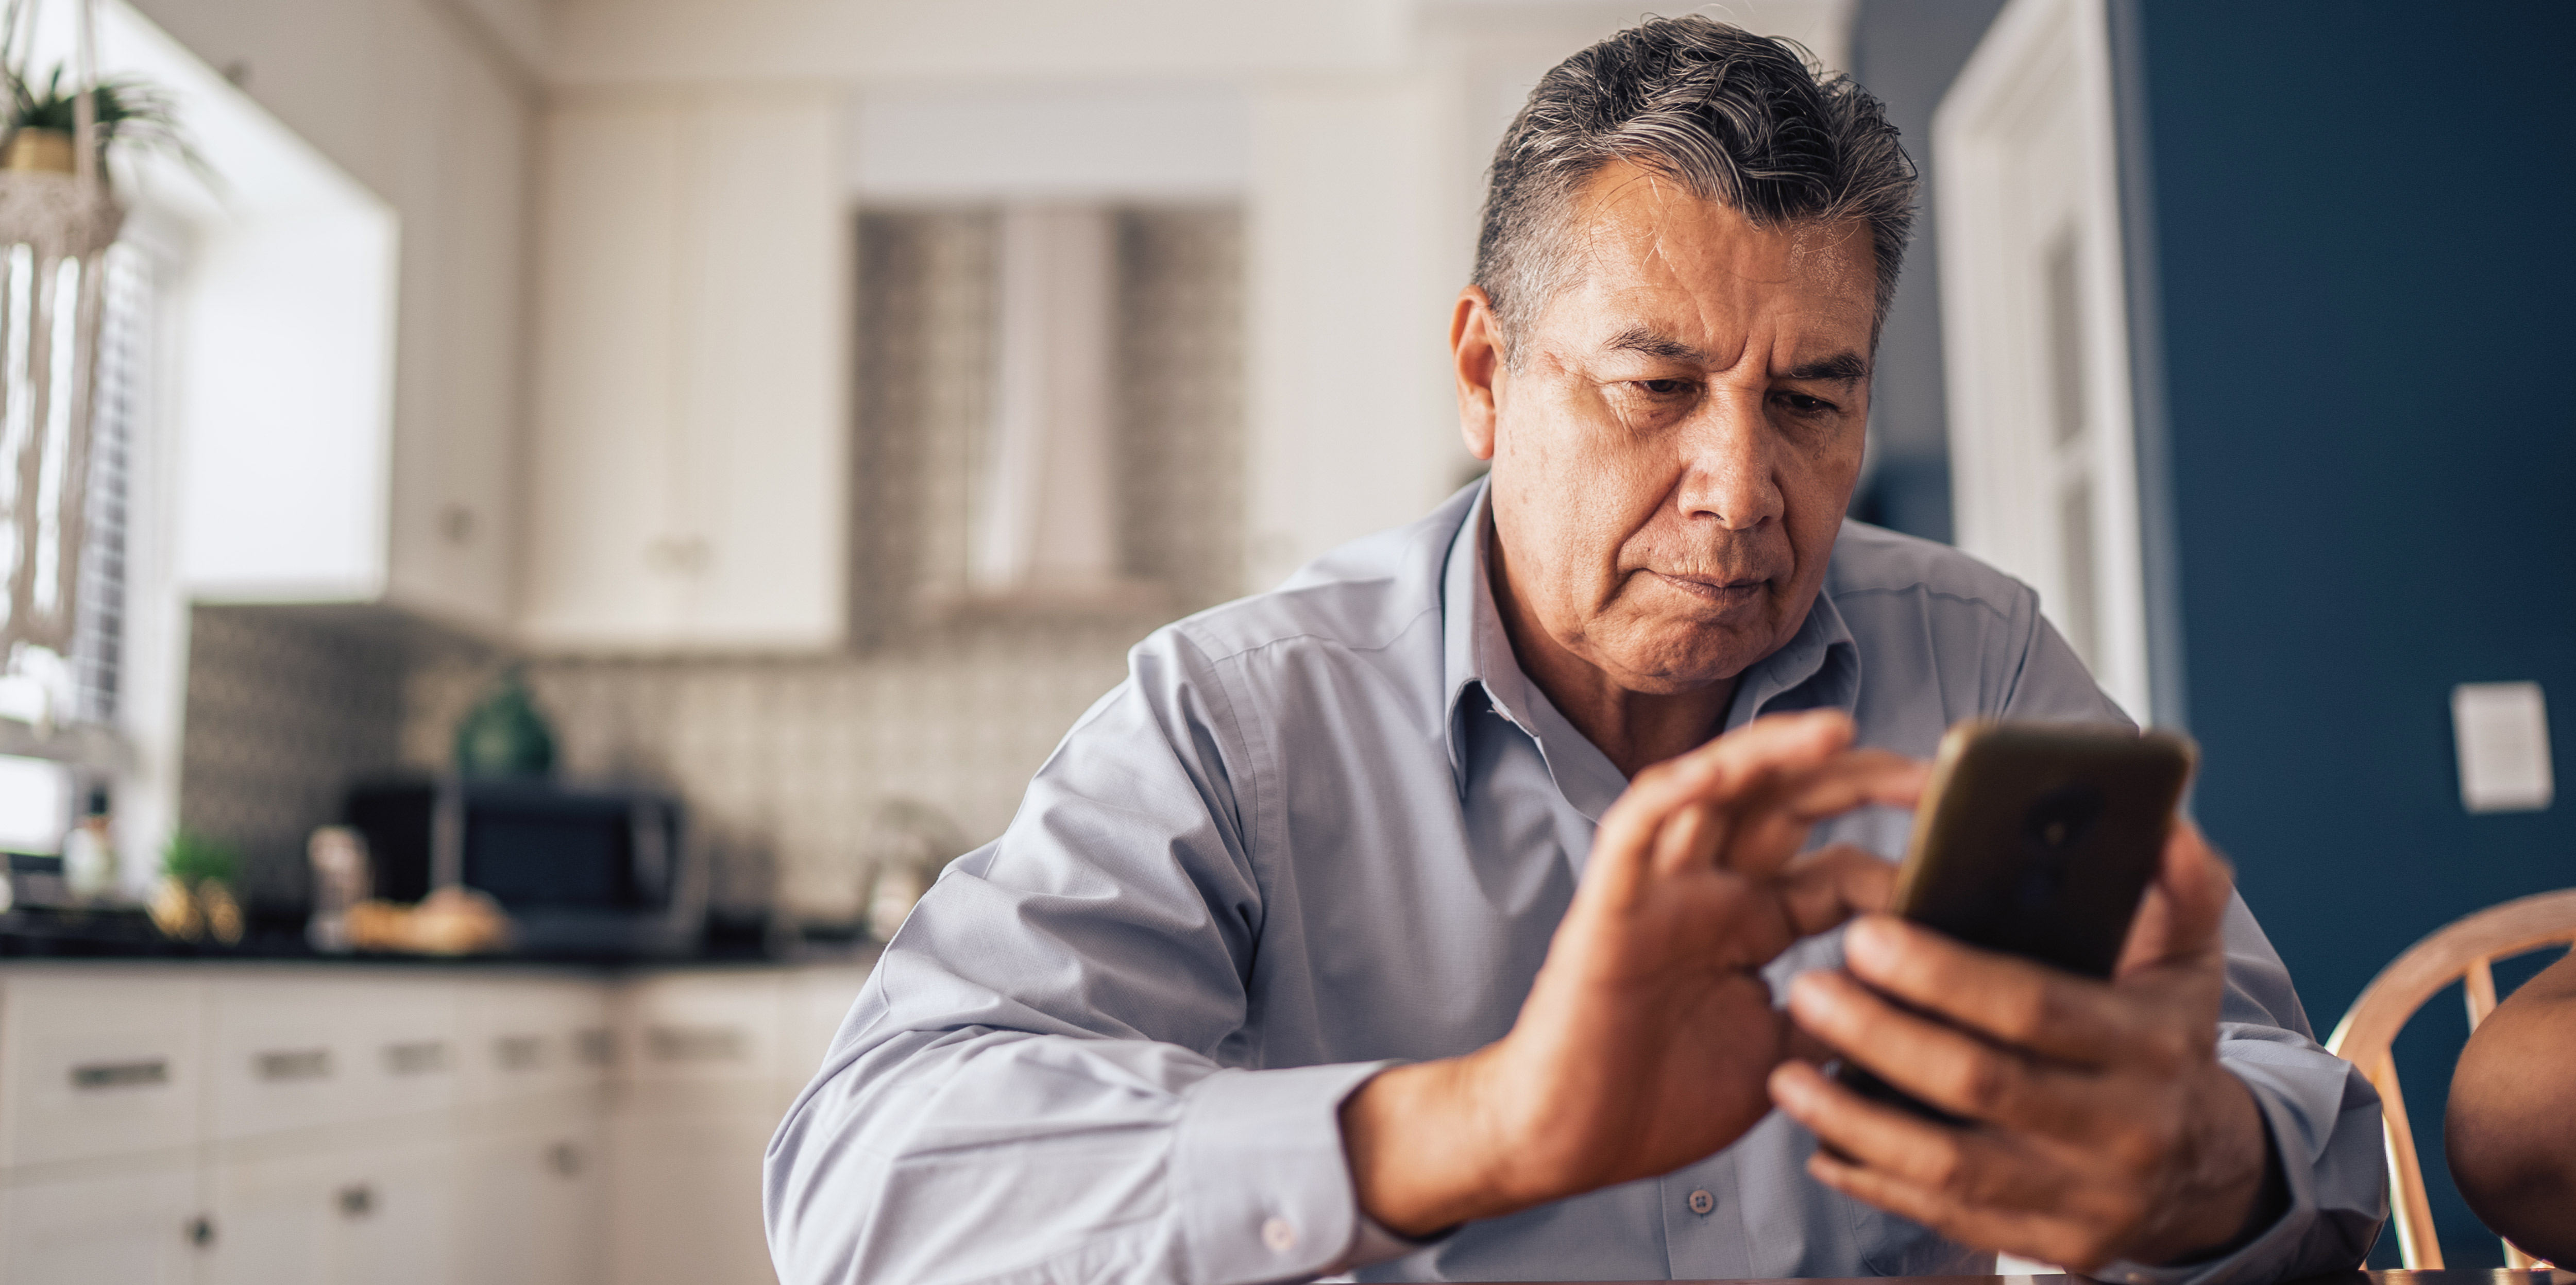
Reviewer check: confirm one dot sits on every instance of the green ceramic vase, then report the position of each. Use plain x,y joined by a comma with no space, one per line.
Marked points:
505,735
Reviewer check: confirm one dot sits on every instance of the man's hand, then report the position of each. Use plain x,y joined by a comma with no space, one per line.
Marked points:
1649,1033
2104,1127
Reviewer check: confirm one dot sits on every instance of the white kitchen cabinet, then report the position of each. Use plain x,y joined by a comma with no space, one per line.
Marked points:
689,440
295,1051
708,1075
99,1065
318,1124
354,1213
524,1039
348,386
132,1226
532,1207
686,1209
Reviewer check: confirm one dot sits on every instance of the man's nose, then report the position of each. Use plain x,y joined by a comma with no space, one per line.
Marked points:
1727,467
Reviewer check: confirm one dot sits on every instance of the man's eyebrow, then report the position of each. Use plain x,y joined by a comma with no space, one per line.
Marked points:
1638,339
1841,368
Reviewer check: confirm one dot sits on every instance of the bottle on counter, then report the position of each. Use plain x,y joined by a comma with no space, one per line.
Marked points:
89,853
341,879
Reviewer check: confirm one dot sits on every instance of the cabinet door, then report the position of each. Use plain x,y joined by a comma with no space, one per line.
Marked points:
458,163
351,1216
763,434
690,437
532,1208
685,1195
603,439
133,1228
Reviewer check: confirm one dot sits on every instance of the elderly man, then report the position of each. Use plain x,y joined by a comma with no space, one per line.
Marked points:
1433,915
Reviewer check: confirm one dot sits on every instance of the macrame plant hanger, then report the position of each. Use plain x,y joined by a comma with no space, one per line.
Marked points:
55,231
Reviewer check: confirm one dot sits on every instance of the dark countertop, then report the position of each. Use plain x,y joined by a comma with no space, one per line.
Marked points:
121,934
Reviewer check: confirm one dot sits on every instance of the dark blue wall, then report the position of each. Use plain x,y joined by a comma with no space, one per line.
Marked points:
2361,215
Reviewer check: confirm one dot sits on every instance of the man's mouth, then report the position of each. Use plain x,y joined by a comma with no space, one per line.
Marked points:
1715,590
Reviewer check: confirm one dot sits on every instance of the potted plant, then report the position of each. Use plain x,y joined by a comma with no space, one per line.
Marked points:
194,899
42,119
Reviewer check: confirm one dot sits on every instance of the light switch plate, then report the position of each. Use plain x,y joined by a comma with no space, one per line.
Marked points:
2502,730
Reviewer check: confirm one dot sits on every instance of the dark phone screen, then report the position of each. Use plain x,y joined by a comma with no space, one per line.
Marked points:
2039,841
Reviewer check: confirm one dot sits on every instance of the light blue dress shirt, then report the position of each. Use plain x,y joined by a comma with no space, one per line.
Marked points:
1333,826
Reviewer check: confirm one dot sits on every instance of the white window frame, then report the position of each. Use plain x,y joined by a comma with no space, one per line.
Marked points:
2043,67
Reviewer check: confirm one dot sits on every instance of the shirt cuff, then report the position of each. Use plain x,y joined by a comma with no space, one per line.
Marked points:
1265,1187
1371,1243
2274,1251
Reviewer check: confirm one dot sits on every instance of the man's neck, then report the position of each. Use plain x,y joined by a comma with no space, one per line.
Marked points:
1634,729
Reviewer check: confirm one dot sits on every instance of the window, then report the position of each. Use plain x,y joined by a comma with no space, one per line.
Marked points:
63,744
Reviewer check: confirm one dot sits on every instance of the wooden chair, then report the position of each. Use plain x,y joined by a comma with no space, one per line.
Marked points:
2460,950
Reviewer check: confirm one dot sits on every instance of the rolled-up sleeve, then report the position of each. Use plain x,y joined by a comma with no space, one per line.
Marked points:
1041,1081
2321,1111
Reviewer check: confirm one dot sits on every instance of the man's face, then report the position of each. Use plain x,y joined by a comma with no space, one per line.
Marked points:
1675,444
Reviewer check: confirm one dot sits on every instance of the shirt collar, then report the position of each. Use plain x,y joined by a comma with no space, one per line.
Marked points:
1818,668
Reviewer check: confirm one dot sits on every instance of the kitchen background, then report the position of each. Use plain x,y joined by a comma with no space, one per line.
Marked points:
810,402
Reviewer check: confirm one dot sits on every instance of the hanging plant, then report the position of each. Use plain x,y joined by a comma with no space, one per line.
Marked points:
128,110
57,221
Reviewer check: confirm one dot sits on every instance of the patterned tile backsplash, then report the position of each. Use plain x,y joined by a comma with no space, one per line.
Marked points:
284,707
795,768
788,765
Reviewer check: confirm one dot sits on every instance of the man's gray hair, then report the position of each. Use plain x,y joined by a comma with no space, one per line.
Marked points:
1731,116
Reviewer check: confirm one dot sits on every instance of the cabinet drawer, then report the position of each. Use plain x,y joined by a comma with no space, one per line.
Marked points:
529,1038
702,1027
97,1066
291,1053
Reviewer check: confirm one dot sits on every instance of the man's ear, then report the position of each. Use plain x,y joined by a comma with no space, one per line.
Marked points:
1476,350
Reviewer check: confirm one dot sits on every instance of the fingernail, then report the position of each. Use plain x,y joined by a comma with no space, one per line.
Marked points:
1814,993
1871,940
1787,1089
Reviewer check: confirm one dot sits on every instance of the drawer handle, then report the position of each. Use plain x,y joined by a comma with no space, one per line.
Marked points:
519,1052
596,1046
565,1159
695,1043
294,1064
419,1057
97,1076
201,1231
357,1200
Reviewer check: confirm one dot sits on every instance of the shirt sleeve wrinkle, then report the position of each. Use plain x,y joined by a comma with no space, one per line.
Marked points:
1024,1090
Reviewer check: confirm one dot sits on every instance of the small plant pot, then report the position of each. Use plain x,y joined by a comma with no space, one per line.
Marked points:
204,911
42,150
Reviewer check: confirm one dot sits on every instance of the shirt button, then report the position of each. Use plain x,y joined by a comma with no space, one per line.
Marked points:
1278,1235
1701,1202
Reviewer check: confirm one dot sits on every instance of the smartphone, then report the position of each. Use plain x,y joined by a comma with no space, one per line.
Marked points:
2037,840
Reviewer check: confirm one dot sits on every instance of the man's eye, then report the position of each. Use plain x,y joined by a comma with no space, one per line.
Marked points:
1805,405
1665,387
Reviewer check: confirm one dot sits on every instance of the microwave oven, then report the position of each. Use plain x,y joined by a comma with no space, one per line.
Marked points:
590,871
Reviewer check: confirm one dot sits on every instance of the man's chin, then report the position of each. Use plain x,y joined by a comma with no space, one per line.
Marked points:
1683,669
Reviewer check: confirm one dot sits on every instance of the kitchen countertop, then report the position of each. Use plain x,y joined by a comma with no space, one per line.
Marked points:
128,935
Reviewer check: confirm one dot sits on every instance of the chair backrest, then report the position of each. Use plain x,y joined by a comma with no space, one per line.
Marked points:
2460,950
